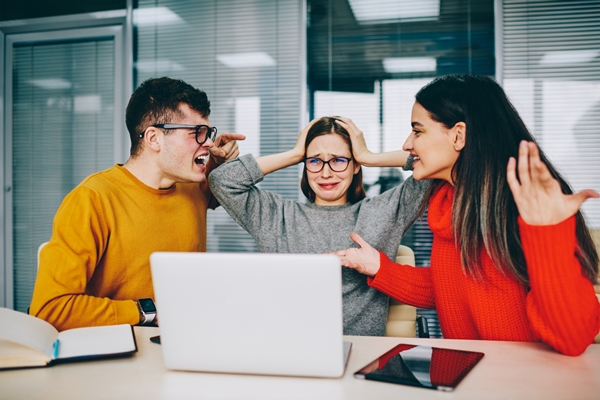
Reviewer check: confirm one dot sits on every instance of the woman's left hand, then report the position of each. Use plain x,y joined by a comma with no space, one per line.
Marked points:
538,195
359,145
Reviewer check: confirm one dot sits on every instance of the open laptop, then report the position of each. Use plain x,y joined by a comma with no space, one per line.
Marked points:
251,313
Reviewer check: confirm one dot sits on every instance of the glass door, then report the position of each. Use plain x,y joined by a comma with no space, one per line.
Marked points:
63,121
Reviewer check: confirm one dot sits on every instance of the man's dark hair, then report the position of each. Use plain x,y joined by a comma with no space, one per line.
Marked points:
156,101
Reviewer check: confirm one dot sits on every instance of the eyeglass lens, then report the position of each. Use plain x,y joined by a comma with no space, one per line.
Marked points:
204,132
339,164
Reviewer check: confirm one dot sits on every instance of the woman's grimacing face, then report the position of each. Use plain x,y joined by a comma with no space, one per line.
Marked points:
433,146
330,187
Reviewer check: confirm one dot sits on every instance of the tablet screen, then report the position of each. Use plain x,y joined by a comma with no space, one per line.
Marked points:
421,366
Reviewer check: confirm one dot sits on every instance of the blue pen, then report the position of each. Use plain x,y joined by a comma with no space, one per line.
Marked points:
56,346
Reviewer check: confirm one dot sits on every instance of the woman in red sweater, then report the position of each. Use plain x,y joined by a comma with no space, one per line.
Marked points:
512,258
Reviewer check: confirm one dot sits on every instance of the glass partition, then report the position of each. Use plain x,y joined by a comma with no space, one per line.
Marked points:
249,59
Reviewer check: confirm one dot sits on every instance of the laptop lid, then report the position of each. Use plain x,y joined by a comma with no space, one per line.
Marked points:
255,313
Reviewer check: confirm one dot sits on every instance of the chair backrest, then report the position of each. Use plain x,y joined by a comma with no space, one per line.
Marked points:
38,253
41,246
402,317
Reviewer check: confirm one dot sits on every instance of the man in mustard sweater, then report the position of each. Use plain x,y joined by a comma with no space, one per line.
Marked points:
95,268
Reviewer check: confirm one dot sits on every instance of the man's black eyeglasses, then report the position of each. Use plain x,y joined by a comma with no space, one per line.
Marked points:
203,132
337,164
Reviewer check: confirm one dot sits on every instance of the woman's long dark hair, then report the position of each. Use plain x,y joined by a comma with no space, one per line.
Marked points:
484,213
329,126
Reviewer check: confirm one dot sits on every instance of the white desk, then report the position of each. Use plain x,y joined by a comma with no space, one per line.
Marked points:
508,371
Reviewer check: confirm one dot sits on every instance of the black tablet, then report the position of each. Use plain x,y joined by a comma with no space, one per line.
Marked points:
421,366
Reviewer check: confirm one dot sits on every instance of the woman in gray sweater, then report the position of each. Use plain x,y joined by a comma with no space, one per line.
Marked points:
337,206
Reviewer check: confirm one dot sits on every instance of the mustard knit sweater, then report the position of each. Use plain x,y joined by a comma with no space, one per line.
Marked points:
97,261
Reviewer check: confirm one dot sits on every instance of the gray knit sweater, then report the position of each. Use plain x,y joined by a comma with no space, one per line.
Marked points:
284,226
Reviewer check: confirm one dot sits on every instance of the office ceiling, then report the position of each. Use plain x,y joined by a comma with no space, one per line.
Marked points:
24,9
345,55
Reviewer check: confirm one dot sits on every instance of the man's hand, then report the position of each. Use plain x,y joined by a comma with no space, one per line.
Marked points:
365,260
225,148
538,195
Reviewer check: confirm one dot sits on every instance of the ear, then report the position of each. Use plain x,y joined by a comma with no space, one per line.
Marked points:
356,167
153,138
459,131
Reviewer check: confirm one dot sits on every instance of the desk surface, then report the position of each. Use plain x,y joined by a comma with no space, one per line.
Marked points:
508,371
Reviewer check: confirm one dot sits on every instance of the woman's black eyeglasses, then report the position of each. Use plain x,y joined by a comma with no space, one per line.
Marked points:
203,132
337,164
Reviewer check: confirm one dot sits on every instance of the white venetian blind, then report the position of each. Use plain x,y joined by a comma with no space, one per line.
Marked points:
248,57
551,71
63,102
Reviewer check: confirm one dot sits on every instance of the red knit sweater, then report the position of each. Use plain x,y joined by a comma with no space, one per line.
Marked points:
561,308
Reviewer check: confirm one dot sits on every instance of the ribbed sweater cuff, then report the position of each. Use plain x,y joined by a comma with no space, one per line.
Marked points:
126,312
403,282
385,276
549,246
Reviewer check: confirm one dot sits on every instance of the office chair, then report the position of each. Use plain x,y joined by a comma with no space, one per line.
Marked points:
402,319
38,253
38,261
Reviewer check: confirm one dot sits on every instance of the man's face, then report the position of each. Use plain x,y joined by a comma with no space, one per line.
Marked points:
181,158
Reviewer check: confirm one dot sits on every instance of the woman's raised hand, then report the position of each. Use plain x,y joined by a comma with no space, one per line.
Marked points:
299,147
365,260
360,151
537,194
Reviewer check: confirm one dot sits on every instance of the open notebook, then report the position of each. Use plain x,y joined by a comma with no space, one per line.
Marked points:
27,341
254,313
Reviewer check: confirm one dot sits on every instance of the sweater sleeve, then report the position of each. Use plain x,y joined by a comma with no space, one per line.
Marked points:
68,262
562,306
234,186
407,284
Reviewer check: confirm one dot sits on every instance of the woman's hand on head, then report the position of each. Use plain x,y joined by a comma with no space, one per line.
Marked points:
365,260
360,151
300,146
538,195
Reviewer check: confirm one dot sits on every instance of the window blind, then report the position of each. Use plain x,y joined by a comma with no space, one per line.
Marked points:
249,59
63,101
551,71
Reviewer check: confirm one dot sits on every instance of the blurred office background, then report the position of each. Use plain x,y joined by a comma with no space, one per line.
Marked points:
67,69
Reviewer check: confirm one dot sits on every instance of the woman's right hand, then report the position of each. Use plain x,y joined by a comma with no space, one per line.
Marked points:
538,195
300,146
359,145
365,260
